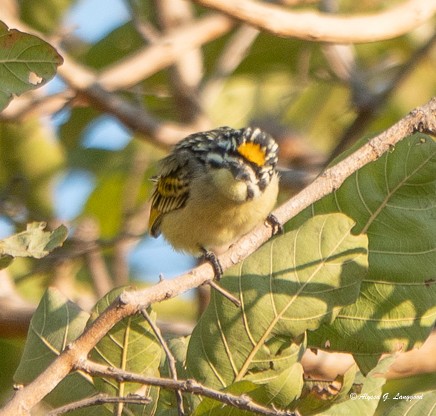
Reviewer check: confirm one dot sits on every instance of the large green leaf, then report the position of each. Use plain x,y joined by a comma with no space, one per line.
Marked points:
34,242
293,283
277,387
393,201
26,62
130,345
55,323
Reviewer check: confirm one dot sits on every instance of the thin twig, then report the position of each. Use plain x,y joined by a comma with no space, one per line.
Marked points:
242,402
129,215
161,133
88,231
185,75
225,293
97,400
161,54
98,88
170,359
370,108
233,54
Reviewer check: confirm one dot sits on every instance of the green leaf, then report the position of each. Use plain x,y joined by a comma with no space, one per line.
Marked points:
130,345
122,41
113,185
286,386
10,351
393,201
45,16
26,62
409,396
291,284
34,242
55,323
5,261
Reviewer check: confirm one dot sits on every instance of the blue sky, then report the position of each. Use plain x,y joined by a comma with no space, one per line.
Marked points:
91,20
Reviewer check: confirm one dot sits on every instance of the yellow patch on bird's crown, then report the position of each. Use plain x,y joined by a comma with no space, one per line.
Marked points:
253,152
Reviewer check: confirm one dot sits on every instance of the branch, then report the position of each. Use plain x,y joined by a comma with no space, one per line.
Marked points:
163,53
88,232
98,88
97,400
323,27
186,74
170,359
235,51
242,402
129,303
369,104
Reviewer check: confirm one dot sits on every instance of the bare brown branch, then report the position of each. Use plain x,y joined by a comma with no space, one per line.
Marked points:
369,104
189,386
323,27
97,400
170,359
163,53
98,89
186,74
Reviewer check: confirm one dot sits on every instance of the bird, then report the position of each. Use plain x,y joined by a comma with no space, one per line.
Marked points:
214,187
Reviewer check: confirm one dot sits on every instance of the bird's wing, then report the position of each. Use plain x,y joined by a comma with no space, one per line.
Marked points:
170,192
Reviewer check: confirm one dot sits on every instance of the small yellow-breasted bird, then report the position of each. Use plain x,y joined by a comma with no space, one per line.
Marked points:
213,188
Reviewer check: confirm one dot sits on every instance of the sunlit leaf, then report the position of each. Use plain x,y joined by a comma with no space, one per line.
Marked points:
393,201
130,345
55,323
286,386
26,62
34,242
293,283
